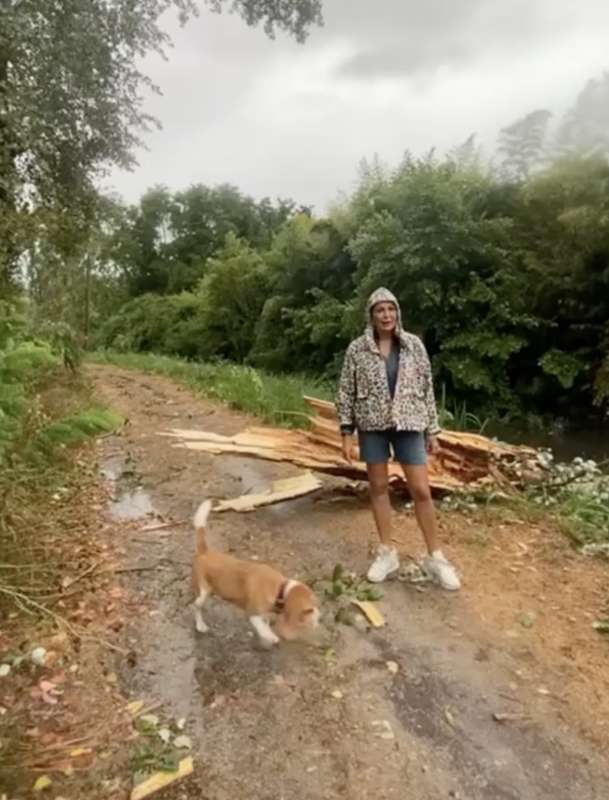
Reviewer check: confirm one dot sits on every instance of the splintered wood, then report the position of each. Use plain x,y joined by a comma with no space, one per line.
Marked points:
465,459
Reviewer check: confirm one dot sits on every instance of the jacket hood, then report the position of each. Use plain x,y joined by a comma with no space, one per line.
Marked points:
382,295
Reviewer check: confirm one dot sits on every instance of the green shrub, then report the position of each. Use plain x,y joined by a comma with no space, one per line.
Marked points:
24,363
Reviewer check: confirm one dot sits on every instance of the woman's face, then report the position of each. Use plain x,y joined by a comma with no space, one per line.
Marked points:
384,317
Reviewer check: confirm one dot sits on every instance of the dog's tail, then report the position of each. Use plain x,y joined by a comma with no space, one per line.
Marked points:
200,521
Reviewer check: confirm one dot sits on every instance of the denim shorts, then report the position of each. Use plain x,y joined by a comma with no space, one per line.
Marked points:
408,447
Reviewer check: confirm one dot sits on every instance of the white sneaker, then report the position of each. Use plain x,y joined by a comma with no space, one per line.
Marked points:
385,563
442,571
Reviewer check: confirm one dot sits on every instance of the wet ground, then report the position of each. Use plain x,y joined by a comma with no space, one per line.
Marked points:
439,703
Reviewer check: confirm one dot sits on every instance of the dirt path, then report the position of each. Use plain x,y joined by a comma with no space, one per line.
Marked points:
334,721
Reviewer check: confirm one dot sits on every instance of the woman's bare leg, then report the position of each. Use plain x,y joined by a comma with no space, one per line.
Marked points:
379,499
417,479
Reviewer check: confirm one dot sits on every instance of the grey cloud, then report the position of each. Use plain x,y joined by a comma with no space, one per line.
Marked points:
407,58
278,118
412,37
367,19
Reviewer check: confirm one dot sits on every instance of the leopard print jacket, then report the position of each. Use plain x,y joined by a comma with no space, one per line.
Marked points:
363,399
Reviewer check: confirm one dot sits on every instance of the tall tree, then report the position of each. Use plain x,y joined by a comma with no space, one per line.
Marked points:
293,16
522,143
561,227
310,277
467,155
585,128
162,244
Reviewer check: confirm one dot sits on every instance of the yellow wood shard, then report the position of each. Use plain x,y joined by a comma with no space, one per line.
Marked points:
285,489
42,783
371,612
135,707
161,779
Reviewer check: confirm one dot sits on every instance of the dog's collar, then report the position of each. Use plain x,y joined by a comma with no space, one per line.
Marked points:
282,595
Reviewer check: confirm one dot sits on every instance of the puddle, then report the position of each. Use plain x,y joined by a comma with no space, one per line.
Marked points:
130,502
132,505
248,473
112,468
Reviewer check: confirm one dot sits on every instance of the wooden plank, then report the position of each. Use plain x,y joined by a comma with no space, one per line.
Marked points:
159,780
321,407
371,612
286,489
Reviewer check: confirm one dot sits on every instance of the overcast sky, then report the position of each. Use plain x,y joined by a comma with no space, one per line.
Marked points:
280,119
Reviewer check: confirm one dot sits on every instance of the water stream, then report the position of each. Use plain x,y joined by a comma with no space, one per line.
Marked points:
589,443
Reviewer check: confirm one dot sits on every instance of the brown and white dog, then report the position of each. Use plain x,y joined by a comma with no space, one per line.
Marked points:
256,588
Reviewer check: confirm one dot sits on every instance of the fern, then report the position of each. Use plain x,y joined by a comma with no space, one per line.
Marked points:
79,427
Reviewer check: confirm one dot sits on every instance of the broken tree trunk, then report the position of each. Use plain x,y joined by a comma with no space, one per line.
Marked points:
466,460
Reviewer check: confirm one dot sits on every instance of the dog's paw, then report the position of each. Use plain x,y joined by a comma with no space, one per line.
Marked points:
268,641
201,626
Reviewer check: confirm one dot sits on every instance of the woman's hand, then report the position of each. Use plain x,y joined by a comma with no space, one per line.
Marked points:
348,448
433,445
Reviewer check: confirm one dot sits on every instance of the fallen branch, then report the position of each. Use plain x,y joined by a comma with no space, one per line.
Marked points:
161,525
63,745
510,717
143,568
89,637
21,598
84,573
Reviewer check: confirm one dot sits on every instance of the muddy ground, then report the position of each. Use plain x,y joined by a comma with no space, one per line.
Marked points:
333,719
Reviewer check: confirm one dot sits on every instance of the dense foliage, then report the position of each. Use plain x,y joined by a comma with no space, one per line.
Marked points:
507,281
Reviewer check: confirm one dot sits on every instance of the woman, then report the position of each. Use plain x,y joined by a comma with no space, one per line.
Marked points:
386,393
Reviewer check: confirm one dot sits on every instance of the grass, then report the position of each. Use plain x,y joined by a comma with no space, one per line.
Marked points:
456,417
584,515
38,465
276,399
578,494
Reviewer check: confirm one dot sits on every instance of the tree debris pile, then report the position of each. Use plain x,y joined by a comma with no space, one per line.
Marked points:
466,460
